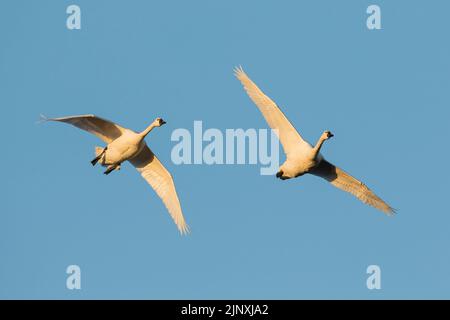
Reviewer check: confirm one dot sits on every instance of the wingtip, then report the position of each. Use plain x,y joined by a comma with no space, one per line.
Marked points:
184,230
388,210
238,71
392,212
42,118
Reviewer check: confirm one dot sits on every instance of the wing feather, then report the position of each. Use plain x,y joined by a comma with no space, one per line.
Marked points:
342,180
104,129
287,134
153,171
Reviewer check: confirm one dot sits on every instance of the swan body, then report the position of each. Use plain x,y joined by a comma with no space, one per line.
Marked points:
127,145
296,167
303,158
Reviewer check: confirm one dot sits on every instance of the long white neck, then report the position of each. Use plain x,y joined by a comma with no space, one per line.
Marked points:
147,130
318,145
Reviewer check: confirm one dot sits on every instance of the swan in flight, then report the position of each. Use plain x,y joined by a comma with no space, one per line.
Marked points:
125,144
301,157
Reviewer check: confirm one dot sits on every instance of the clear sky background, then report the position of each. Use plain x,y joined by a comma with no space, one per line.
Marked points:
384,94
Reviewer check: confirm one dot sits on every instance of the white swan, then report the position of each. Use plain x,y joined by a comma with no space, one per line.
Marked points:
125,144
301,156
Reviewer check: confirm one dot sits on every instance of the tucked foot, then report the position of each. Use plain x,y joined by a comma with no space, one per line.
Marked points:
97,158
110,169
94,162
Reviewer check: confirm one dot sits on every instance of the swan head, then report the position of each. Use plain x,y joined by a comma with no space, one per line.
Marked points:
282,175
327,135
159,122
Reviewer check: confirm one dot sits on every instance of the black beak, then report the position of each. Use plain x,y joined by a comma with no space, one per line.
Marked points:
330,135
279,174
161,122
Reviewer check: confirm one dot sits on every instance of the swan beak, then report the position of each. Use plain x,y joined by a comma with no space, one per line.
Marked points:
161,122
330,135
279,174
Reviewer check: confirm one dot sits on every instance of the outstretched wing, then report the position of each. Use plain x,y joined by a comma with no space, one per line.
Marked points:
289,137
106,130
161,181
342,180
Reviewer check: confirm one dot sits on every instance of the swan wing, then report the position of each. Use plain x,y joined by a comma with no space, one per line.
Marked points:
288,136
153,171
106,130
342,180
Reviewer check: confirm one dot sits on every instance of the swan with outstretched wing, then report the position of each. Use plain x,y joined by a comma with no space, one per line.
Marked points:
303,158
127,145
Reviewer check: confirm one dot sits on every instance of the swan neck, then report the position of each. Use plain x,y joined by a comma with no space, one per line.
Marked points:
147,130
318,146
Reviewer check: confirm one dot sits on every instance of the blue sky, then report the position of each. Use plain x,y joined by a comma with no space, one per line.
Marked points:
383,93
